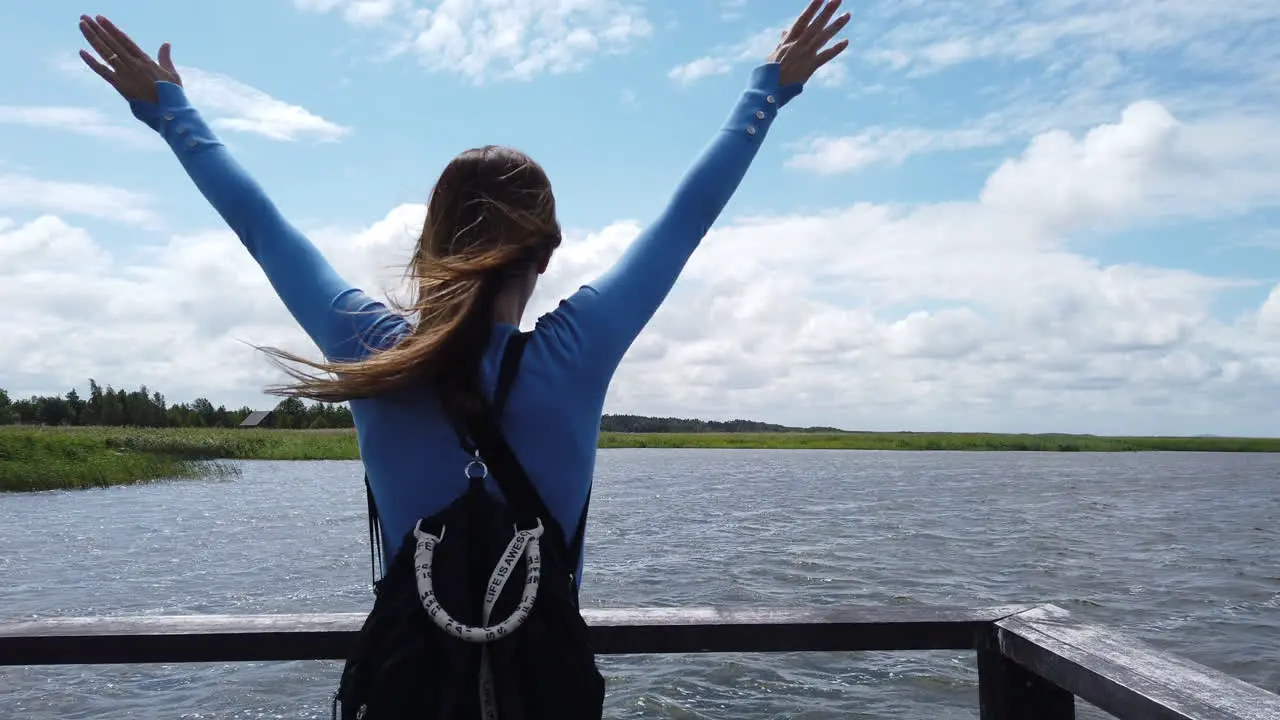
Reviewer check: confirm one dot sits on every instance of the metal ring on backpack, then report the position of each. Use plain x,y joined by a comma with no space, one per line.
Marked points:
525,542
476,464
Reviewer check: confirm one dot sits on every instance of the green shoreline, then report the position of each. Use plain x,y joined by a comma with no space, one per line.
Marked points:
39,458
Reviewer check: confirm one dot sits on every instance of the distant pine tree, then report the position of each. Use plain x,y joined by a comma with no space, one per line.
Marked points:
146,408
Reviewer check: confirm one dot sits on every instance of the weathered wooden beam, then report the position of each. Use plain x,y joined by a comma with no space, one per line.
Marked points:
1125,676
242,638
1008,691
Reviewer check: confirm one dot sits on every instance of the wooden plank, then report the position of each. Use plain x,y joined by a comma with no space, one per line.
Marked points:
242,638
1125,676
834,629
1008,691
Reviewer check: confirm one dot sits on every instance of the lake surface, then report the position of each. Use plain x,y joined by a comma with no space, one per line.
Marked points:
1180,549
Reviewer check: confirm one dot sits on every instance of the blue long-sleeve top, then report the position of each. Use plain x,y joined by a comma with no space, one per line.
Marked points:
552,418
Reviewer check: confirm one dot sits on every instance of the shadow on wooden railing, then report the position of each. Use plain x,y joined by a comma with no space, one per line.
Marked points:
1033,661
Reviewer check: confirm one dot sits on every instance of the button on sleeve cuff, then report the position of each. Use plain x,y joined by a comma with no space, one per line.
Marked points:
179,123
760,102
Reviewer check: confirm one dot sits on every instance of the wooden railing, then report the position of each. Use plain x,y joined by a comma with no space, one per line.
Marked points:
1033,661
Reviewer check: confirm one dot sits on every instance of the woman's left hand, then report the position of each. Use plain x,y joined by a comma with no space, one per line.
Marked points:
803,48
128,69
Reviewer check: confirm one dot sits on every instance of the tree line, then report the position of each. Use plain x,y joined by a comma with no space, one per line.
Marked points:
643,424
143,408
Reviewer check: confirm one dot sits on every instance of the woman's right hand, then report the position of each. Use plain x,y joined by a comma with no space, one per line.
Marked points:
128,69
803,47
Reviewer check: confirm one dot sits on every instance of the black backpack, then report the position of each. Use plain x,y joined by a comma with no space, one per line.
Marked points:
477,617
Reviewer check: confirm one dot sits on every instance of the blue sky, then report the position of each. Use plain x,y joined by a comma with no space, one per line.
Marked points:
986,215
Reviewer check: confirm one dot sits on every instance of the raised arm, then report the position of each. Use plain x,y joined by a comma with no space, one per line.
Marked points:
342,320
610,312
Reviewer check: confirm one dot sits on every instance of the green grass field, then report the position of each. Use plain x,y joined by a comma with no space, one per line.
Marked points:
936,441
34,458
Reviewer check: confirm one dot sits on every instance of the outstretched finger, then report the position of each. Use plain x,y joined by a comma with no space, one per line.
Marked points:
829,54
123,40
166,59
87,29
103,71
100,41
802,22
816,28
825,36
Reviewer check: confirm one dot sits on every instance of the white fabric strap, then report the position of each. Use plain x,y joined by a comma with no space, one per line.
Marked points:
525,543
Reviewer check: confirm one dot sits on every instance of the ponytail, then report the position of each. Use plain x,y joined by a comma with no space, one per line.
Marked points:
491,216
455,315
458,380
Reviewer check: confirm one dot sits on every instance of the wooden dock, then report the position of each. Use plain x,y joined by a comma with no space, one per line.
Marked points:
1033,660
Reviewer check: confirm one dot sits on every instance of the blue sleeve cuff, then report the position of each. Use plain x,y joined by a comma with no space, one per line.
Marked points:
760,103
171,96
168,95
147,112
174,118
765,79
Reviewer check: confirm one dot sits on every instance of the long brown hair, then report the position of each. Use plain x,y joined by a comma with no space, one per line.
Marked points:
491,219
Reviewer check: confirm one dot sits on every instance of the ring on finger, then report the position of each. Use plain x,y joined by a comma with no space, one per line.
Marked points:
113,57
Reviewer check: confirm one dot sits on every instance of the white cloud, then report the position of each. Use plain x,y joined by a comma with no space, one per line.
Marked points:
499,39
954,31
225,102
833,74
356,12
1147,162
1018,69
753,49
732,9
235,106
46,244
79,120
173,316
961,315
882,145
695,70
363,12
1253,142
96,201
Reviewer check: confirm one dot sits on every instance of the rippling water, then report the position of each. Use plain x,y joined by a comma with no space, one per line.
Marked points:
1177,548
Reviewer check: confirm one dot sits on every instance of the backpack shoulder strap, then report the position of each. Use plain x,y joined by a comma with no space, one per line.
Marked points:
510,475
508,472
512,354
485,432
579,535
377,567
